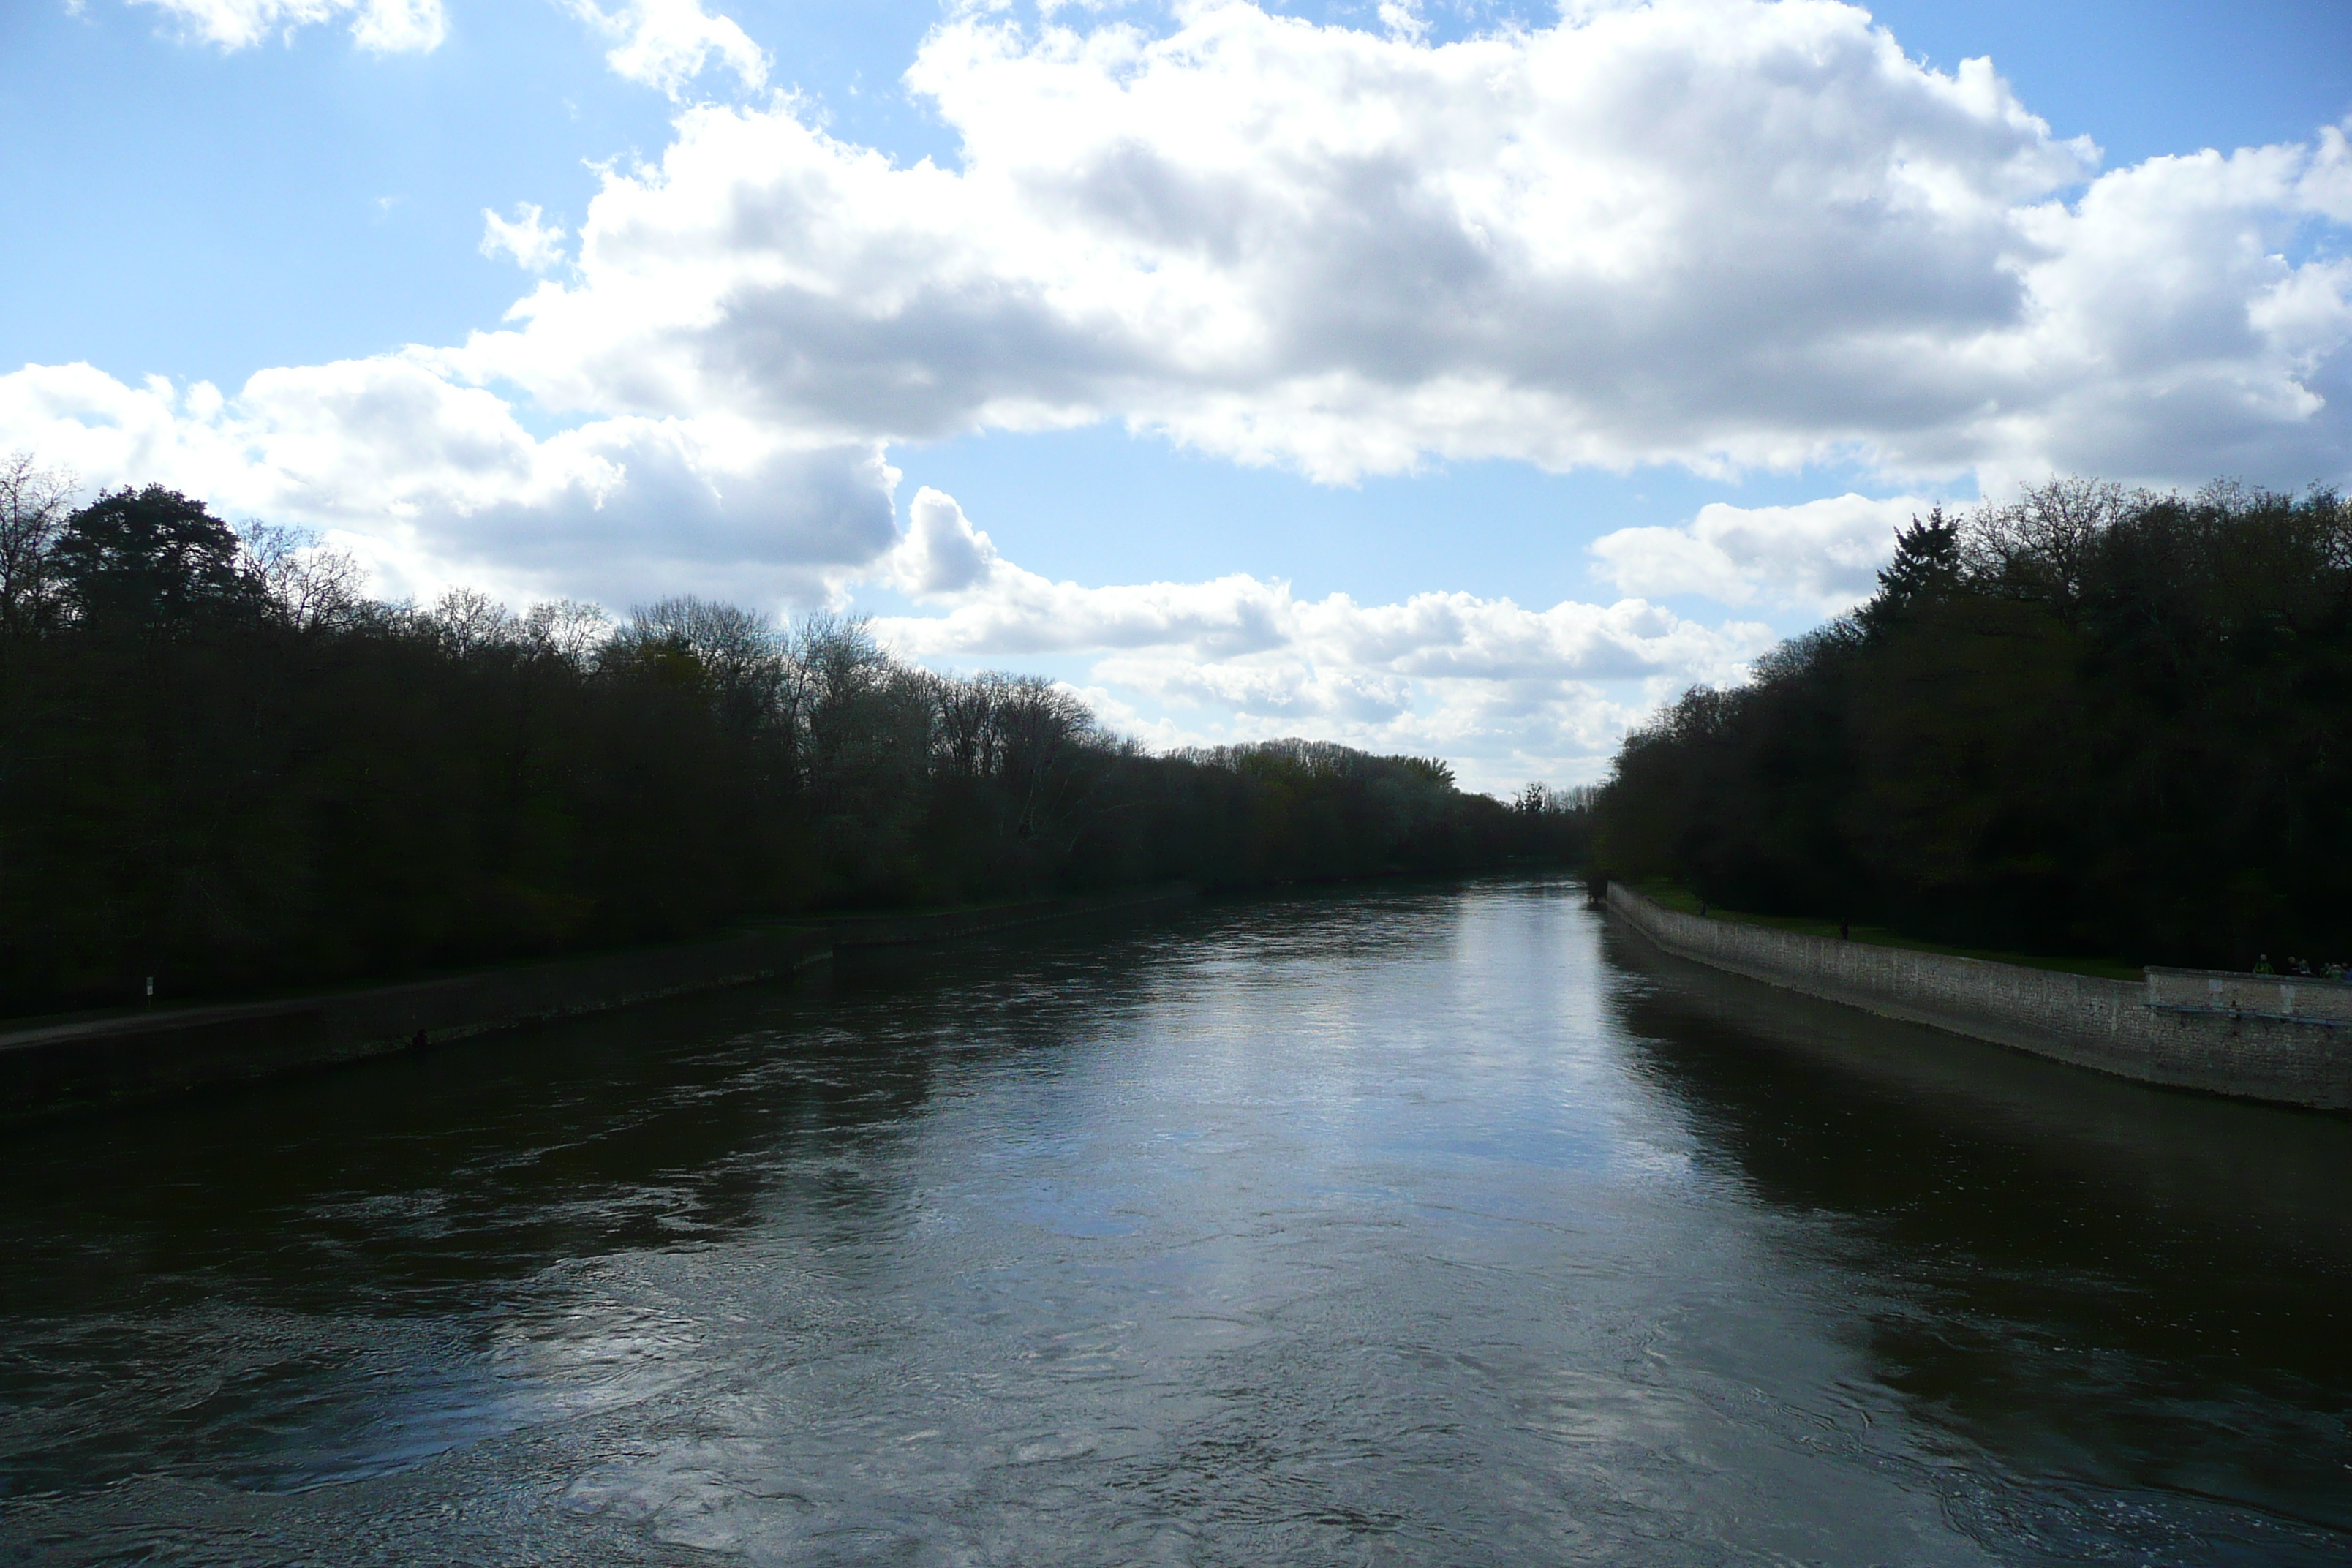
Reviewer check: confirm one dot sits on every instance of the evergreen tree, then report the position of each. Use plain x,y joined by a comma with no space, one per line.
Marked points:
1926,570
153,558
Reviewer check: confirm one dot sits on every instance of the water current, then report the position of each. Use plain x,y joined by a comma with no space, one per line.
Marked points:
1426,1225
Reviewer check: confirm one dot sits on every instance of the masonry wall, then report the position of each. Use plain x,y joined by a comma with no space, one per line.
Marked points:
95,1061
2272,995
71,1063
2132,1029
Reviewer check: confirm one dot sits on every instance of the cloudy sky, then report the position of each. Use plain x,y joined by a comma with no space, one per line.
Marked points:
1450,377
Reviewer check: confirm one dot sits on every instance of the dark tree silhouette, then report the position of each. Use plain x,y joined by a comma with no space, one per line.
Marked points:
151,557
1926,571
33,511
2096,721
225,768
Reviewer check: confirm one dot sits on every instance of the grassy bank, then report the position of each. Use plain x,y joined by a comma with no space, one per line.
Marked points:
1670,895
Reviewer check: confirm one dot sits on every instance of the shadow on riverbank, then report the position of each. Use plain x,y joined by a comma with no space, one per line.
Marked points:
91,1062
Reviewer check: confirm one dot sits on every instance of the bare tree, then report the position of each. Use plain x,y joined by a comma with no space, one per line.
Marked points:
466,620
33,504
1041,728
830,664
1540,799
967,738
2039,546
568,630
739,654
314,585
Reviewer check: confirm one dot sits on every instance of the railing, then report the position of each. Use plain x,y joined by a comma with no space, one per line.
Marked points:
2302,998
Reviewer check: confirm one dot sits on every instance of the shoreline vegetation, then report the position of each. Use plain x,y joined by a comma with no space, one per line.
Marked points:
228,773
2112,727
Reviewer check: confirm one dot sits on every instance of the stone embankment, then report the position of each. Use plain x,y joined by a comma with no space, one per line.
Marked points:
61,1064
2254,1036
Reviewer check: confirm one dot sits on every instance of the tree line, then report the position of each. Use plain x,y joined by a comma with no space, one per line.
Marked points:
2095,720
224,765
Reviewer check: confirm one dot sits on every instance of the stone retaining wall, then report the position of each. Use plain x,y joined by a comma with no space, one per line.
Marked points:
2266,995
76,1062
2111,1026
79,1062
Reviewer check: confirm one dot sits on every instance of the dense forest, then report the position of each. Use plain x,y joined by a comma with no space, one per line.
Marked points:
2093,721
223,765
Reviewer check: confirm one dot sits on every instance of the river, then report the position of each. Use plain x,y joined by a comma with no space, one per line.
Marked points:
1427,1224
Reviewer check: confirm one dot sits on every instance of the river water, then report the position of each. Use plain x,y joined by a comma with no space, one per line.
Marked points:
1432,1224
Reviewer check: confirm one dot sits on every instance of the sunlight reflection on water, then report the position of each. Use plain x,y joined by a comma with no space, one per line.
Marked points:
1425,1224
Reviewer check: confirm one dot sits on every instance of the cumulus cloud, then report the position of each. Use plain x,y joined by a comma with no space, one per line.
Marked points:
993,608
1515,693
438,482
534,246
941,552
1714,233
1706,232
382,26
666,44
1822,555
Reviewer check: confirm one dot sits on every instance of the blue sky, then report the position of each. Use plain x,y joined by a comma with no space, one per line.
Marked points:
242,193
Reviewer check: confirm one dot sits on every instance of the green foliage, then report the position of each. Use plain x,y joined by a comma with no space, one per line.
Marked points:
225,768
2095,721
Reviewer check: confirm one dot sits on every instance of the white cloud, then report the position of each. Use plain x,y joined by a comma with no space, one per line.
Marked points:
1714,233
1403,19
1511,692
2193,346
444,484
941,552
1822,555
1704,232
394,27
666,44
383,26
534,246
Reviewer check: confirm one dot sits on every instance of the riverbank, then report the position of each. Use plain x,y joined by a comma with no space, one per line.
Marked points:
50,1066
1682,901
2169,1028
